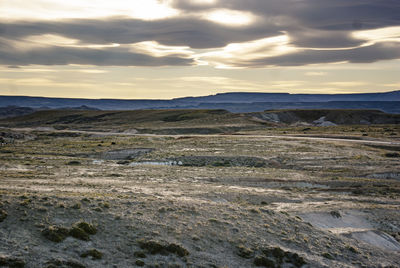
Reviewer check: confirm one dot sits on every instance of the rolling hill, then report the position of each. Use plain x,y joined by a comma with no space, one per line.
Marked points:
185,121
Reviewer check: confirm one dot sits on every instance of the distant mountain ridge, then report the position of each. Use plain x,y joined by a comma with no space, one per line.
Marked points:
232,101
287,97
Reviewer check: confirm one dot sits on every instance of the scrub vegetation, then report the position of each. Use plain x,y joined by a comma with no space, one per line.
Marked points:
270,197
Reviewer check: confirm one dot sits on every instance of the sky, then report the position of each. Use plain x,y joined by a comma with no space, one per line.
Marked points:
161,49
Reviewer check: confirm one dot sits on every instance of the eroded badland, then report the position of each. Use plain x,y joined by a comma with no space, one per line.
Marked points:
271,197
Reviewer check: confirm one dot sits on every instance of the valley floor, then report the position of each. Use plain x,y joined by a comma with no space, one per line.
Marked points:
76,199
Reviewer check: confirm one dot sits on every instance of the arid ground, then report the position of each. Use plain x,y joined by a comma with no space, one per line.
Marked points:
256,198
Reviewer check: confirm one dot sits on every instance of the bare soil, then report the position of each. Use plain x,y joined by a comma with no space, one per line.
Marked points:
315,203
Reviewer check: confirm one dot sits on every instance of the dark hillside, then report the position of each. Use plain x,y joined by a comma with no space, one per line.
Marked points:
12,111
186,121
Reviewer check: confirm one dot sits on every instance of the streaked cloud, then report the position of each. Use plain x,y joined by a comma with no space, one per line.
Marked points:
26,70
237,54
83,55
93,71
222,82
73,9
392,85
387,34
155,49
225,34
301,57
346,83
309,39
43,82
286,84
229,17
315,73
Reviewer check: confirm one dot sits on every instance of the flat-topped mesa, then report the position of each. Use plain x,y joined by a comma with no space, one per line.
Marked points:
194,102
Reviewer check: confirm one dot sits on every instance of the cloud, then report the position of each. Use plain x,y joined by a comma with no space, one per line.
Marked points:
286,84
387,34
229,17
314,14
315,38
55,55
365,54
233,55
153,48
396,85
92,71
12,69
314,23
222,33
315,73
43,82
346,84
61,9
195,33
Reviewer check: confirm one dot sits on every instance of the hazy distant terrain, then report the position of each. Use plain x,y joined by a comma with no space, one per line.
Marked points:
234,102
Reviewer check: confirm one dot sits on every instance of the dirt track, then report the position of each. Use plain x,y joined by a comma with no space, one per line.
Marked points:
349,139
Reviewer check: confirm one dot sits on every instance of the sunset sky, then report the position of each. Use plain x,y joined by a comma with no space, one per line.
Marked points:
164,49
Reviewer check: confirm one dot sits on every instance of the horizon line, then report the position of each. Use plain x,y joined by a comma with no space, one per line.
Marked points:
230,92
